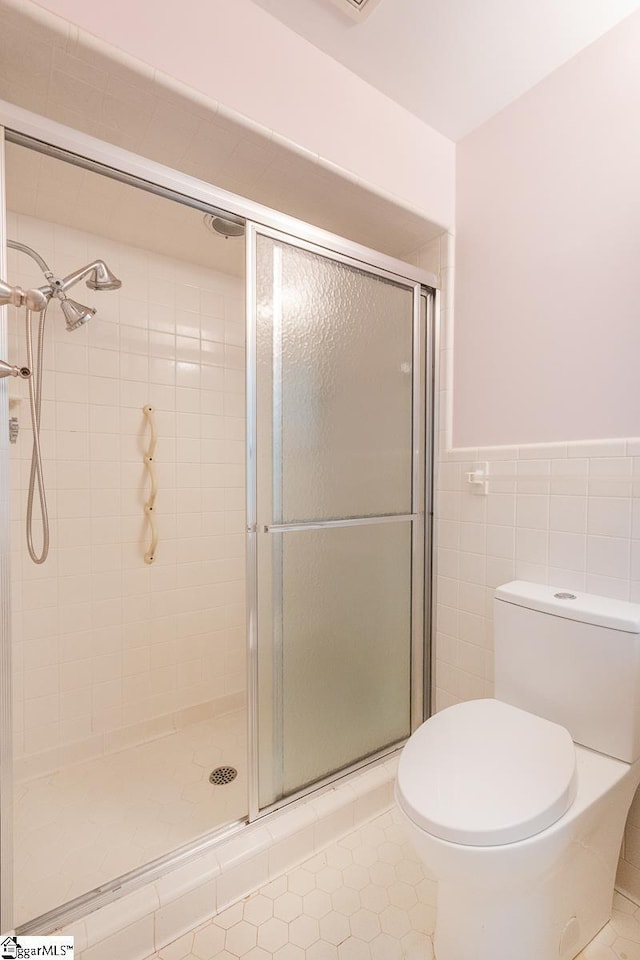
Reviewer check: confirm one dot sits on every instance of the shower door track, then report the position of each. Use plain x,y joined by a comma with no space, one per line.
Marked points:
128,883
46,136
53,139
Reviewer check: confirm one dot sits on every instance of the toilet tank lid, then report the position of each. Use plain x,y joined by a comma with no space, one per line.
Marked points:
572,605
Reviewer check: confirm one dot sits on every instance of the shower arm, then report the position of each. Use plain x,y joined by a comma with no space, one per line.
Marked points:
102,278
55,287
77,276
58,288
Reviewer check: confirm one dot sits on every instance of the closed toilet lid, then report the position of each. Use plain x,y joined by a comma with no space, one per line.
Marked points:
485,773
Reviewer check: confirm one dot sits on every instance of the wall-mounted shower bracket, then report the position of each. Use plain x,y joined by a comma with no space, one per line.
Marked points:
478,478
17,297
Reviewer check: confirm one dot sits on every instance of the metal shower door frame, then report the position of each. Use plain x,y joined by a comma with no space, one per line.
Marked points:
420,516
51,138
6,699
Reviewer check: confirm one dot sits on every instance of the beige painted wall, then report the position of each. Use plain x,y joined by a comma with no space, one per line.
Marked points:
547,246
238,55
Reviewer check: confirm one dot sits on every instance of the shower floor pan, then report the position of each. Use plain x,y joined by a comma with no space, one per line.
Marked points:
88,824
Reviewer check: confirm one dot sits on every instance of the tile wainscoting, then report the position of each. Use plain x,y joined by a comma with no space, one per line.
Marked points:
565,514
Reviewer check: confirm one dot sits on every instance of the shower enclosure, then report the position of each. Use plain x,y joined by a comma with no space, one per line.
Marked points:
277,638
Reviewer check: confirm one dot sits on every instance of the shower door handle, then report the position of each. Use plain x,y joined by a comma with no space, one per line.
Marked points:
334,524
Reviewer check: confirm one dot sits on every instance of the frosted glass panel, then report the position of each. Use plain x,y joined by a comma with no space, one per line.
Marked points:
335,463
344,632
336,344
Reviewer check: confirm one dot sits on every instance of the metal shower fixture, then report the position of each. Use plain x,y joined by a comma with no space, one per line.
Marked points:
33,300
96,275
10,370
221,776
356,9
75,314
17,297
101,278
226,228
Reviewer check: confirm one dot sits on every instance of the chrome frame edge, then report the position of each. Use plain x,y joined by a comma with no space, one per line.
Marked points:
6,693
115,173
128,882
431,445
344,251
252,520
418,586
334,779
277,547
42,134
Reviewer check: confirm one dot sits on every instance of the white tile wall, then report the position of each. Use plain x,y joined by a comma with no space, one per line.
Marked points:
566,514
108,650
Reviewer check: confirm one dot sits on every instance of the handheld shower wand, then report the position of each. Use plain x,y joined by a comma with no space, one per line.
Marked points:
98,277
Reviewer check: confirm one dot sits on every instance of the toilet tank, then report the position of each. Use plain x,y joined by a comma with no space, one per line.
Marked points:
573,658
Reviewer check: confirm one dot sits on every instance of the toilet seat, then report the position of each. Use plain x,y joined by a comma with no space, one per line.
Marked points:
484,773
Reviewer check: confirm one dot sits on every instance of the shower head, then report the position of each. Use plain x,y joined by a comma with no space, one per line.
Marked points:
101,278
75,314
226,228
97,275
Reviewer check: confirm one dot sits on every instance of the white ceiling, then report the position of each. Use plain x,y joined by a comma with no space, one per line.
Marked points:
453,63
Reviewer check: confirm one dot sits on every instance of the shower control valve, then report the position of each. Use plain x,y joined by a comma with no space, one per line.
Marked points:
9,370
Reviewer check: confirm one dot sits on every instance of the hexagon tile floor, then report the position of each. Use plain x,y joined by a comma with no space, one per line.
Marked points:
366,897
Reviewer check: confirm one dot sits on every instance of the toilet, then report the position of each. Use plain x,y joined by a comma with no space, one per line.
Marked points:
517,804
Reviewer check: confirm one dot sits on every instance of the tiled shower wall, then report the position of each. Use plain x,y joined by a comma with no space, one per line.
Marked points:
563,514
109,651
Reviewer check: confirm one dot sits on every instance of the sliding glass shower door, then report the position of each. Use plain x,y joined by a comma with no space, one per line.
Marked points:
338,531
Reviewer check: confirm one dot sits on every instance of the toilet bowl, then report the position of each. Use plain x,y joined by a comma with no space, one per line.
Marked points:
519,820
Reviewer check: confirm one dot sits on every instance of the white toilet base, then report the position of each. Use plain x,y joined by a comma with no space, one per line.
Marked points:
543,898
525,924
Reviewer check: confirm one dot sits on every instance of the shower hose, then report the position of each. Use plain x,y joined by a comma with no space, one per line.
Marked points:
35,403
